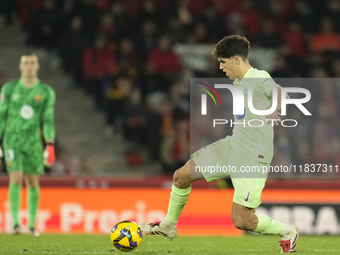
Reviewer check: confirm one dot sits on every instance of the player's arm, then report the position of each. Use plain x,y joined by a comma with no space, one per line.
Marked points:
279,92
3,109
276,114
48,129
3,114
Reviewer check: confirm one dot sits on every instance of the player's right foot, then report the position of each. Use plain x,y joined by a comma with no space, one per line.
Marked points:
288,241
16,230
159,228
33,232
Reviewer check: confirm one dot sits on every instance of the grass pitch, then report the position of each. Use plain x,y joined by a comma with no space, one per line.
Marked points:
155,245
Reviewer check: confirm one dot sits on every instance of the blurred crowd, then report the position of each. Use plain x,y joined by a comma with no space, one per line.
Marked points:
122,54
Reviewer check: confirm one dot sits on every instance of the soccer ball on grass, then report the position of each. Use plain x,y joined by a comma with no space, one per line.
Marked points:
126,235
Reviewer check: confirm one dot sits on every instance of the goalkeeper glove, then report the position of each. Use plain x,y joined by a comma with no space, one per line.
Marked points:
49,154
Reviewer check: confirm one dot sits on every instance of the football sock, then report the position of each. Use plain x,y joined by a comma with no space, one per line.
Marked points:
287,233
14,195
32,202
269,226
178,199
168,224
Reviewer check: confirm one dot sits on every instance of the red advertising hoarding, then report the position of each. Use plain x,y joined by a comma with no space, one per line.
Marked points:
208,212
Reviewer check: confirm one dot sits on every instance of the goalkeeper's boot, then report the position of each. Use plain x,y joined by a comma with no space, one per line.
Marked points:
161,228
33,232
288,241
16,230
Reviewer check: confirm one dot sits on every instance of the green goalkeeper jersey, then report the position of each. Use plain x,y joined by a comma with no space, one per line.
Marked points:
254,142
23,111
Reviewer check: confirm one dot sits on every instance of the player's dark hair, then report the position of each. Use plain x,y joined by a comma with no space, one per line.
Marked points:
29,53
230,46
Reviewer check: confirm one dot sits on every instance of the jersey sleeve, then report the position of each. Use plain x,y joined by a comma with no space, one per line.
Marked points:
267,83
48,116
4,100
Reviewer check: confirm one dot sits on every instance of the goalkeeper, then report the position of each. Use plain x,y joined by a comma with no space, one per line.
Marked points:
26,104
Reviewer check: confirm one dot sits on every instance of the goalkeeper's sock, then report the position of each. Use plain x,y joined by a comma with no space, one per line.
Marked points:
269,226
32,201
178,199
14,194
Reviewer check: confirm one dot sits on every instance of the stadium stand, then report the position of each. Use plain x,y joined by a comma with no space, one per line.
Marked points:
129,56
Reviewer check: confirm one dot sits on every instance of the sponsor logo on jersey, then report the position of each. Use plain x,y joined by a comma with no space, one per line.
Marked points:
37,98
26,112
9,156
9,163
40,169
15,96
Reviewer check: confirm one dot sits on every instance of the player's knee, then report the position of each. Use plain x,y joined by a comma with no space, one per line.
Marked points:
16,178
241,223
16,181
180,179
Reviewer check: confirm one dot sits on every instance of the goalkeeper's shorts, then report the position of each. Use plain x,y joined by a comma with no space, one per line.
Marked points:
27,162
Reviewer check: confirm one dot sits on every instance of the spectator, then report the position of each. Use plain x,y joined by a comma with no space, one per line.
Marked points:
146,39
213,21
26,9
89,14
164,59
121,19
97,63
327,39
44,26
295,38
107,26
7,7
149,12
179,104
175,147
199,35
333,11
126,52
151,81
250,18
305,15
134,120
166,110
278,12
116,95
280,69
336,68
268,38
73,44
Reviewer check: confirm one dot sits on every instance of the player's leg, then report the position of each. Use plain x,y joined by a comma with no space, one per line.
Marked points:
210,155
247,197
244,218
180,192
14,196
32,185
13,161
33,168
